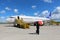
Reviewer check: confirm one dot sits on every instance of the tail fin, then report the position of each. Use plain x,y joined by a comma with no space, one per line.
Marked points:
49,15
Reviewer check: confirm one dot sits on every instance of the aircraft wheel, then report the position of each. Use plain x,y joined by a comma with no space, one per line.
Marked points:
18,25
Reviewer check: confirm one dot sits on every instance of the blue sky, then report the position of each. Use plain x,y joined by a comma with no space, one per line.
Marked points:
27,7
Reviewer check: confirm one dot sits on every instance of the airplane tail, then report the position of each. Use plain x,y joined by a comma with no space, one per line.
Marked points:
49,15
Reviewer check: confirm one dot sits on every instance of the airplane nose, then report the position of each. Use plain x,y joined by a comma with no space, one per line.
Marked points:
10,20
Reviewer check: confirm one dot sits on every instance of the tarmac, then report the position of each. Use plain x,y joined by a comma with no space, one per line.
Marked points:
7,32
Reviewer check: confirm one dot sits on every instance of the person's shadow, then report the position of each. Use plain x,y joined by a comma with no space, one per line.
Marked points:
32,33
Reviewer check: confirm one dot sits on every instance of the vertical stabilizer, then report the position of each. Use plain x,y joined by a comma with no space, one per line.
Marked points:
49,15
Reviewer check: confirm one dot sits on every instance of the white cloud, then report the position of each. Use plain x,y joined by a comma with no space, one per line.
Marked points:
56,13
36,13
7,8
49,1
2,17
45,13
33,6
22,15
56,10
55,16
3,11
16,10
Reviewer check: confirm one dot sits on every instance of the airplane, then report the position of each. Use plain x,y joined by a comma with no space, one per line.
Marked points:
28,19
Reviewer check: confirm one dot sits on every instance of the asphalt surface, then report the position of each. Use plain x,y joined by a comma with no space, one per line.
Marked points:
7,32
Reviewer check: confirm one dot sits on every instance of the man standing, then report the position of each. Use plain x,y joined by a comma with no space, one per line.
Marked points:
37,27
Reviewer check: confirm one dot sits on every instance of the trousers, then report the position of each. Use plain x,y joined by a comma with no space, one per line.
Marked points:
37,29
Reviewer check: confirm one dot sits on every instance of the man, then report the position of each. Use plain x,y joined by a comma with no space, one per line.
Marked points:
37,27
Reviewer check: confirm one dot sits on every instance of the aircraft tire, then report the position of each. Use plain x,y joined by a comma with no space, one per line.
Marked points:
18,25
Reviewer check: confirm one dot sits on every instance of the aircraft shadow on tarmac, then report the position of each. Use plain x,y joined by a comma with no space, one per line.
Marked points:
9,26
12,26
